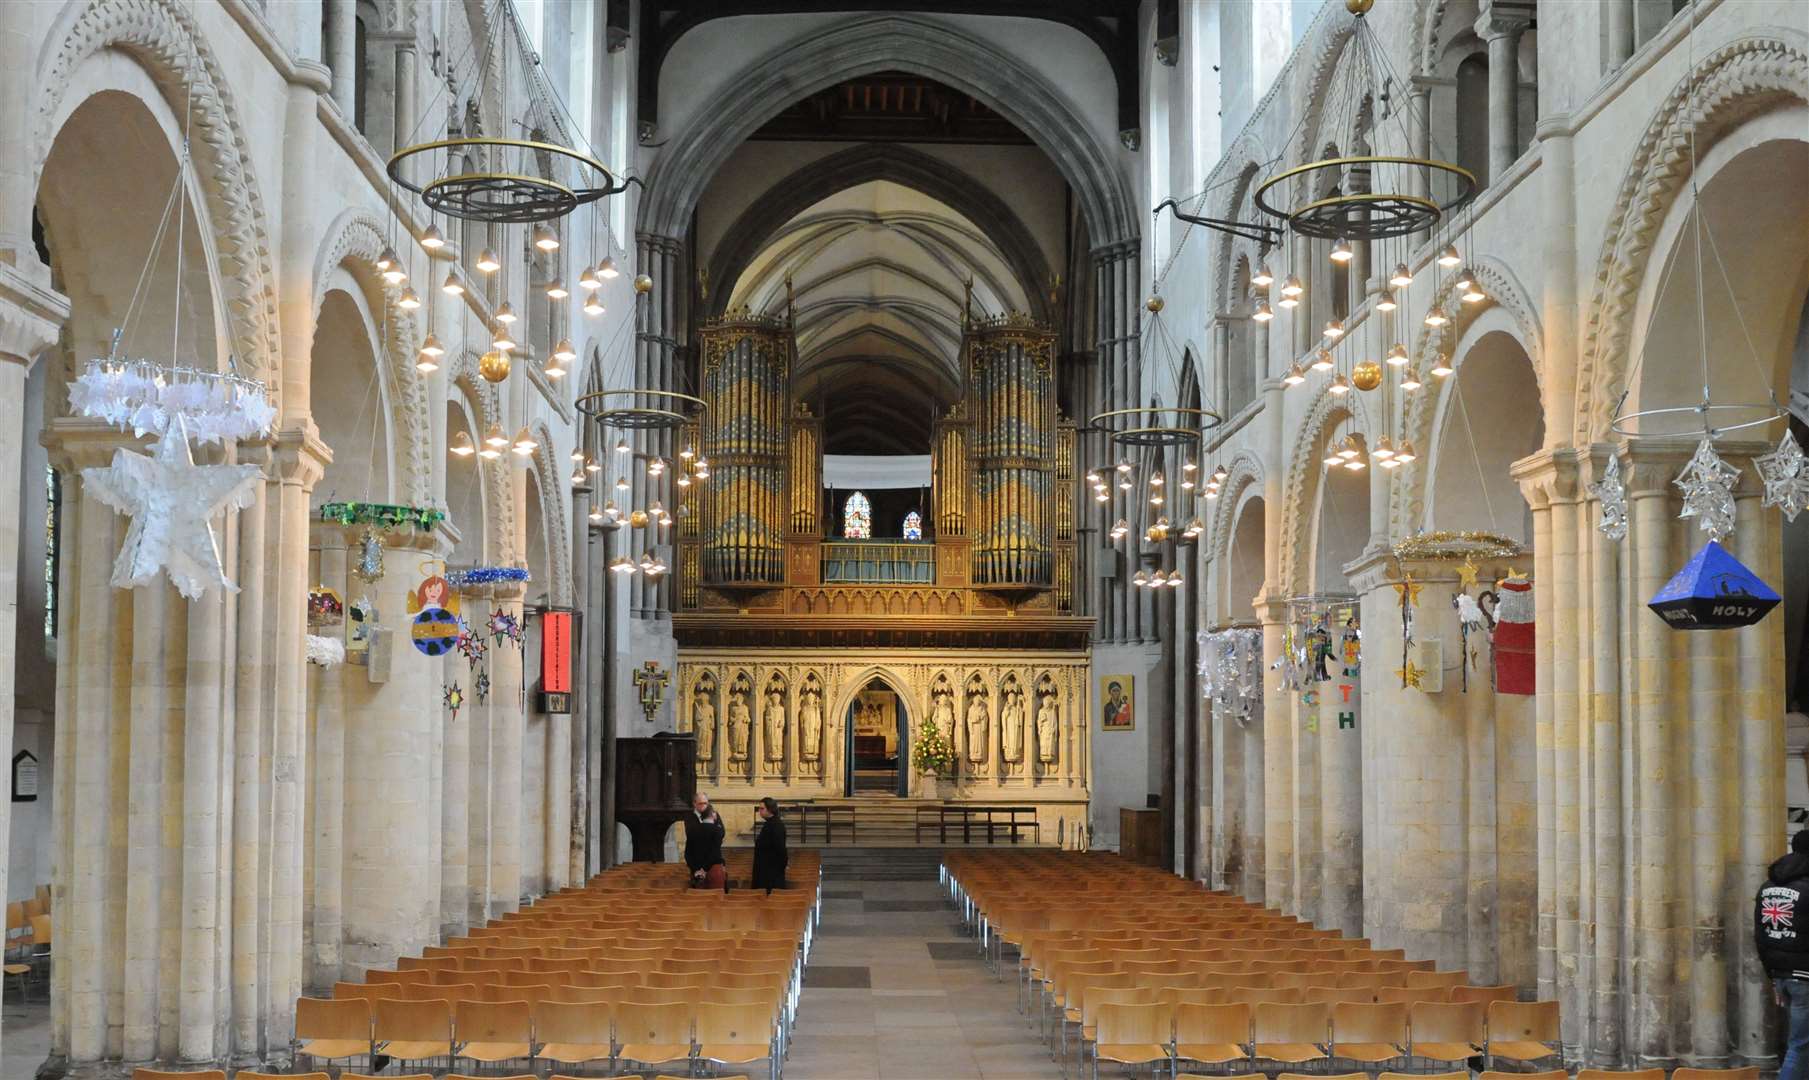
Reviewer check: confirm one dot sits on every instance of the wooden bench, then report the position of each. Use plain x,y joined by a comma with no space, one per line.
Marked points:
1011,822
797,818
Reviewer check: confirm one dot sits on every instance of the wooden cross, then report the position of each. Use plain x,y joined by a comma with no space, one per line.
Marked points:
653,682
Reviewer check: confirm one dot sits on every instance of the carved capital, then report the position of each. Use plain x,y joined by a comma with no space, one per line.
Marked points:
1504,19
1549,476
299,456
77,443
31,315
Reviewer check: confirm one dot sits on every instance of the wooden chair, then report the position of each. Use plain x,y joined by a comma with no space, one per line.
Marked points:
573,1033
412,1030
1131,1034
158,1074
493,1031
1446,1030
1289,1033
1521,1031
1617,1074
380,975
1407,995
1212,1034
332,1030
1750,1072
1368,1033
1436,978
250,1075
736,1034
1485,994
653,1032
367,991
1552,1074
446,992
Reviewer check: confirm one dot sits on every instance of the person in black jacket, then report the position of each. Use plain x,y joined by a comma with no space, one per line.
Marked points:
703,843
1783,949
769,848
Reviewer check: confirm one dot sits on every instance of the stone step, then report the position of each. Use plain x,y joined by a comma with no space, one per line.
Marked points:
880,863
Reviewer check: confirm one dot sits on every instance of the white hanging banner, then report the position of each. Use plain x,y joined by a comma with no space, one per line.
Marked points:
876,472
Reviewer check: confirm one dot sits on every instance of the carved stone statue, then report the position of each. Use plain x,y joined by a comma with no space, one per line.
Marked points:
810,724
703,723
740,722
978,718
1011,727
942,713
1048,728
773,720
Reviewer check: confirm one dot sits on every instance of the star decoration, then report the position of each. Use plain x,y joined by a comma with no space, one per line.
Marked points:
454,698
1707,483
1411,674
504,626
1611,492
172,502
481,687
1466,575
471,646
1408,590
1786,475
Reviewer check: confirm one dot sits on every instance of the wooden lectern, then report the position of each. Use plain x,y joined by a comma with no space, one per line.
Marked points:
655,780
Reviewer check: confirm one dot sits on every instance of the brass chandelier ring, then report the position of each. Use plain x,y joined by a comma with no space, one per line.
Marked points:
1155,425
1375,215
668,410
507,197
1624,424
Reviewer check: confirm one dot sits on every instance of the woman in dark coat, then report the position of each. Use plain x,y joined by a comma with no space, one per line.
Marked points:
769,848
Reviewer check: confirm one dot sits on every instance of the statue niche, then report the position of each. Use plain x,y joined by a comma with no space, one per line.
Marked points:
942,708
772,721
1048,721
1011,721
979,719
703,717
810,719
740,718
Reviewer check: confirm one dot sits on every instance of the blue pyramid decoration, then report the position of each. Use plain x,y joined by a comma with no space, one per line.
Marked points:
1713,591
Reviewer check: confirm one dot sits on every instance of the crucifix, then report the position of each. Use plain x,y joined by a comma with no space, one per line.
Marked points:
653,681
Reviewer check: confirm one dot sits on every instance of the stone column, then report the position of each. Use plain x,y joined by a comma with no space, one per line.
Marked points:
1502,31
341,47
1221,366
406,112
326,775
508,723
1620,32
1277,763
1340,848
250,744
18,182
455,799
29,317
1116,268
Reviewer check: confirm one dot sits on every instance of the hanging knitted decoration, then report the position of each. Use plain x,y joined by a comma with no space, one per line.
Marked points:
1514,631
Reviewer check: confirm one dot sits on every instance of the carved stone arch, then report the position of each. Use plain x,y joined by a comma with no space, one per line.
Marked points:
1733,84
163,37
553,525
1407,496
856,680
499,505
1330,54
867,44
1300,490
1238,207
354,242
896,164
1244,469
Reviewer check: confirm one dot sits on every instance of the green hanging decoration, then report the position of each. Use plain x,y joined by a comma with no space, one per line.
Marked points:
384,516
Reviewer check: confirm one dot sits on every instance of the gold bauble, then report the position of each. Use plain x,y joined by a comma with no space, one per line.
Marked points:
1359,7
1154,304
1366,375
643,283
638,519
494,365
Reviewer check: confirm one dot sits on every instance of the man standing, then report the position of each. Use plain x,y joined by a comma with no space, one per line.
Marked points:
703,845
1783,950
769,848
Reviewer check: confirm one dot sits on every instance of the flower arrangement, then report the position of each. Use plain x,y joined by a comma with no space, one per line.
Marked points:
932,753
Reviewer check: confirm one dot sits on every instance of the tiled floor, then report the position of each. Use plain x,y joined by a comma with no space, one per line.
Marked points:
929,1010
24,1037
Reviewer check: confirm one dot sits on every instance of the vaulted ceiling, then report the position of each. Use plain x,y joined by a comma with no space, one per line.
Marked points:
878,275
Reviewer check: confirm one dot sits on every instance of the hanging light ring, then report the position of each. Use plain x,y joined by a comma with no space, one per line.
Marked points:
641,409
1632,425
508,197
1374,215
1155,425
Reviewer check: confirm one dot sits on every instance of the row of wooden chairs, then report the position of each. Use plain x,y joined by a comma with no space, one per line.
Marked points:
247,1074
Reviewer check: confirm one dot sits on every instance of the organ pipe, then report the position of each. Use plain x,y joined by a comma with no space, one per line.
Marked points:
747,362
1009,368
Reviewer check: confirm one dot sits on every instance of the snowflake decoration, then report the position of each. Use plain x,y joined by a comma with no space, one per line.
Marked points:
481,687
1611,492
504,626
1786,475
1707,483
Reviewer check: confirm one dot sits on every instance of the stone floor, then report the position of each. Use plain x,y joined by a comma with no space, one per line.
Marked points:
24,1036
894,992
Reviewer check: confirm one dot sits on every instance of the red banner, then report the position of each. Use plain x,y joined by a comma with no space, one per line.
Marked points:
556,652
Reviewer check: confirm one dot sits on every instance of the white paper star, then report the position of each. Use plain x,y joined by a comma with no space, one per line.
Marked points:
172,502
1611,492
1707,483
1786,475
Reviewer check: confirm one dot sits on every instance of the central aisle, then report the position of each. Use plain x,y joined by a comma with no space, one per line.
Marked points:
894,992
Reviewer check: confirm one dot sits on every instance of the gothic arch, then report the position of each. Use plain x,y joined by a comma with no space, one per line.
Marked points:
899,165
1301,487
1407,496
868,44
1732,85
1245,469
354,242
894,676
165,40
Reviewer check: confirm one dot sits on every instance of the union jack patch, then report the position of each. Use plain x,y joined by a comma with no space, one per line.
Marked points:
1777,914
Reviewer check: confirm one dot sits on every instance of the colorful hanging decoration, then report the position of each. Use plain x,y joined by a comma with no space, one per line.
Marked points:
1410,674
1713,591
325,608
504,627
1611,492
361,627
481,687
470,645
368,566
384,516
1785,472
453,697
324,651
172,503
1230,669
148,399
433,592
1514,633
1471,619
1707,483
475,576
1409,592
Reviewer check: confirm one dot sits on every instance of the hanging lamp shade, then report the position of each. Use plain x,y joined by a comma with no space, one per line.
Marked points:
432,239
1713,591
462,445
488,262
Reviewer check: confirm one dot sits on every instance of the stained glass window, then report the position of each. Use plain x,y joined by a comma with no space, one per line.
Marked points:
857,518
913,526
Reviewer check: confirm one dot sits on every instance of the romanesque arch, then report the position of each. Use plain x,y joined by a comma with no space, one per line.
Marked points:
1300,493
